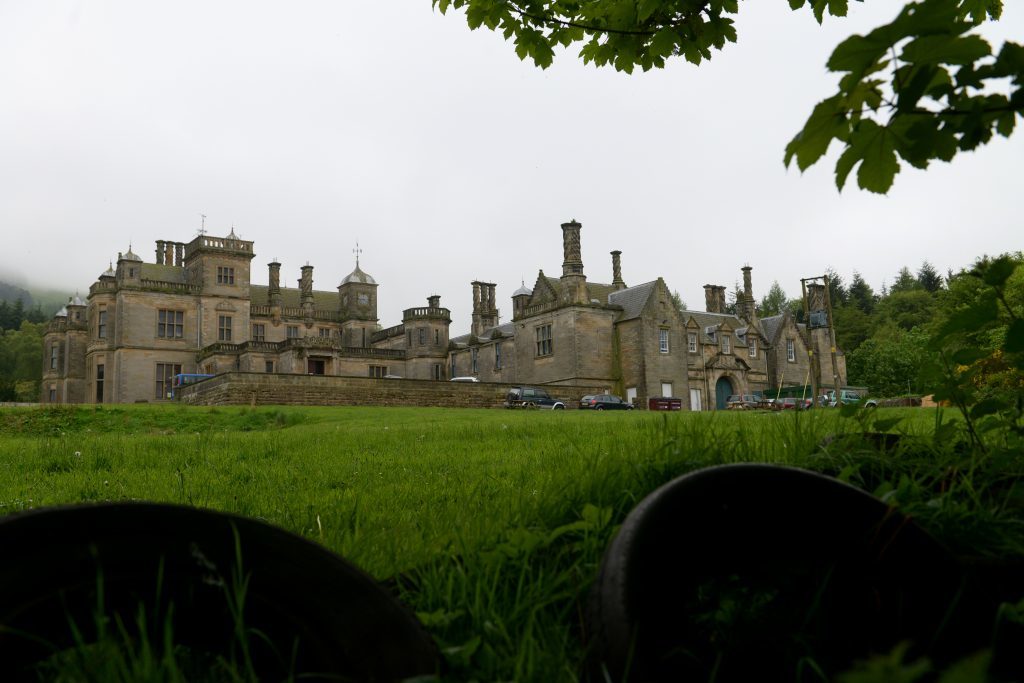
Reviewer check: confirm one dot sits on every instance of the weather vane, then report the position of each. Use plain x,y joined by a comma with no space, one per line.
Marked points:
357,251
202,227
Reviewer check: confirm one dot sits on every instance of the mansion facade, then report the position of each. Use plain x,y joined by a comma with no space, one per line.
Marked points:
634,342
194,309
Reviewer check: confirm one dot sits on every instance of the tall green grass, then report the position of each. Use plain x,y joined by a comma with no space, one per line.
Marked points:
494,522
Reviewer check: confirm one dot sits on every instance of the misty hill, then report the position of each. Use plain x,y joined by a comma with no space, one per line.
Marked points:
12,293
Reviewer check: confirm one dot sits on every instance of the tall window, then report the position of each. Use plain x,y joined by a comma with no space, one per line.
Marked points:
170,324
691,342
437,337
410,339
752,347
378,370
259,332
225,275
497,356
726,344
543,333
422,336
324,332
291,331
438,372
224,328
165,373
790,351
99,382
54,355
101,324
663,340
269,366
473,355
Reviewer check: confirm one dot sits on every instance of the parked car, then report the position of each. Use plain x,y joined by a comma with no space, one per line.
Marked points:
532,397
464,379
792,403
604,402
743,401
846,397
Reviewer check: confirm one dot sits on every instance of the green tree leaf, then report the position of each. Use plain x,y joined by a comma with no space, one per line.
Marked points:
874,147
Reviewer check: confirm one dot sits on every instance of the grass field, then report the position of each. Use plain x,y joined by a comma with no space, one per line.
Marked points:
500,517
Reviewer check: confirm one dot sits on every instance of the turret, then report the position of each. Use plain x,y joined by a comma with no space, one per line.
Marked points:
357,304
520,298
129,268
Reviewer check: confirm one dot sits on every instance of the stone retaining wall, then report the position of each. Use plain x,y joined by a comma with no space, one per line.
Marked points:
246,388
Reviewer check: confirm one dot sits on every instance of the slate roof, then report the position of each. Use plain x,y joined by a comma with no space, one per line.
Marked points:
505,330
771,326
599,291
259,295
163,273
632,299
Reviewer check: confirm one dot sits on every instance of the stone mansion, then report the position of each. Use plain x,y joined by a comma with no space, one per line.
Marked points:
195,310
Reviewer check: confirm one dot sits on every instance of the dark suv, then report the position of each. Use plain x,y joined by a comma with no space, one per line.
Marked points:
532,397
604,402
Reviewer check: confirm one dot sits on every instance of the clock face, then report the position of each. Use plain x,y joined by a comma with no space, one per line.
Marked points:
363,299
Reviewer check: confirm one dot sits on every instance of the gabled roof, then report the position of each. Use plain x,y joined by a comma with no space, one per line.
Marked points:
632,299
704,320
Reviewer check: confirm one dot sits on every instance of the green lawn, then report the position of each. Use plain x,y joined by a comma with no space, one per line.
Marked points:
499,517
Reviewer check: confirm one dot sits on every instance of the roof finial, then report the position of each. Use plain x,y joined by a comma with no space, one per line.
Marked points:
357,251
202,225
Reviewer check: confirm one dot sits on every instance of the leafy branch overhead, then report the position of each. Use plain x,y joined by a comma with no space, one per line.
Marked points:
922,87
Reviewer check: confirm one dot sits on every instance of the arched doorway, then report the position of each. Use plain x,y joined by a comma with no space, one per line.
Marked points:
723,389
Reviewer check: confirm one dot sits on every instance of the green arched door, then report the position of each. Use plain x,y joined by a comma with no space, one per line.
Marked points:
723,389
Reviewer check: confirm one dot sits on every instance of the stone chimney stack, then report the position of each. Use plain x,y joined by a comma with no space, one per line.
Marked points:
274,290
477,325
306,293
749,308
617,280
711,299
574,282
169,254
160,250
722,305
572,263
816,296
485,310
434,301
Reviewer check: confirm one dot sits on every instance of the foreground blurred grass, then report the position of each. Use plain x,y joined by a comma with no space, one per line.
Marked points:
497,519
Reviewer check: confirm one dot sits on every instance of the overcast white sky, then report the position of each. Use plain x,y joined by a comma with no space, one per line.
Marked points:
314,124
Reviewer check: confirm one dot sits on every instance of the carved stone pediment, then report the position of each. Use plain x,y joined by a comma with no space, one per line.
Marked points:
728,362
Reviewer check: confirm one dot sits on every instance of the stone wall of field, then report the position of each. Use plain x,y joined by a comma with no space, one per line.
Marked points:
248,388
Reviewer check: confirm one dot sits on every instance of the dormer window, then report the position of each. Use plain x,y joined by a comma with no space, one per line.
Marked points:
726,344
752,347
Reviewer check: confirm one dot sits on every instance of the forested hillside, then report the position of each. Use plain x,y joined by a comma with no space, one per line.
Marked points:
21,344
886,334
